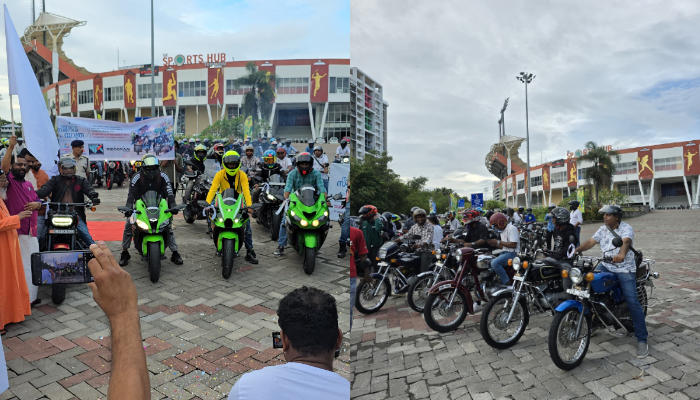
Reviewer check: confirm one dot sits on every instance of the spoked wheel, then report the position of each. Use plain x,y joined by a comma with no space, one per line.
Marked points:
566,350
58,293
418,292
366,301
494,329
440,315
154,261
228,253
309,260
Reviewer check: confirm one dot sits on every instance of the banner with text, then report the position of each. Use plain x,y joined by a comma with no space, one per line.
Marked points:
111,140
337,183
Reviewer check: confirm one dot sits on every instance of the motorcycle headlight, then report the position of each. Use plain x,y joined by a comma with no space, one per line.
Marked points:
576,276
381,253
112,164
153,219
315,223
304,222
458,256
271,197
325,213
516,263
236,220
293,213
61,221
142,225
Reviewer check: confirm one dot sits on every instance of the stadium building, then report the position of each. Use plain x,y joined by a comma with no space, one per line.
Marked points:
312,96
663,175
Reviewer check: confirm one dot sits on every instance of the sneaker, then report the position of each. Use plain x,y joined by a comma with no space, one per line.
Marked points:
250,257
124,260
176,259
279,251
477,308
642,350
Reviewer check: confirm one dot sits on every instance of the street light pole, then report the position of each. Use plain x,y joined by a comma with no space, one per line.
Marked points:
153,68
527,78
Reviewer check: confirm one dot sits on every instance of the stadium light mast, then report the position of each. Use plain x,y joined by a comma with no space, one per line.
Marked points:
527,78
153,68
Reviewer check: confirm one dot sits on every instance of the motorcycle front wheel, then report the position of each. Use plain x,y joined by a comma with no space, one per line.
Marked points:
110,179
154,261
366,301
58,293
494,330
418,292
309,260
440,316
565,349
228,253
189,215
275,227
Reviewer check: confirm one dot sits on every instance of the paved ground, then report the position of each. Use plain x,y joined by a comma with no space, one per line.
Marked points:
200,332
395,355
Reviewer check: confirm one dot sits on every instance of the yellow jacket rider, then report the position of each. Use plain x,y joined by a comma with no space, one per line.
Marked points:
232,177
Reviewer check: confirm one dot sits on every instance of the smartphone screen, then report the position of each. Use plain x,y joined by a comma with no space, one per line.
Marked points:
63,267
276,340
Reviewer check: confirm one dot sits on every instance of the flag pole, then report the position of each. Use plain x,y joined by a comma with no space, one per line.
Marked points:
12,117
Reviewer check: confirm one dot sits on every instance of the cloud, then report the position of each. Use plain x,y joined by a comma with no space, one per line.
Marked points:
622,73
244,29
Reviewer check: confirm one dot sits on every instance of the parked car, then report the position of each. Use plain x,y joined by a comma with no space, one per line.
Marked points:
321,140
347,139
333,140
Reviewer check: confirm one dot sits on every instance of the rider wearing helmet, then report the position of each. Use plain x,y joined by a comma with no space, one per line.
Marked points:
231,176
67,187
453,221
623,266
217,153
409,222
549,218
206,143
149,178
530,217
321,164
509,242
310,148
289,148
396,220
371,226
196,162
425,230
284,161
304,174
342,151
266,169
477,235
576,219
564,239
518,215
250,162
389,224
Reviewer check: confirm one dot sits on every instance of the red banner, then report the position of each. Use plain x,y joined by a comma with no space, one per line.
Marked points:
545,177
691,159
169,87
319,83
97,92
270,69
216,89
58,109
515,187
645,164
73,96
571,174
129,90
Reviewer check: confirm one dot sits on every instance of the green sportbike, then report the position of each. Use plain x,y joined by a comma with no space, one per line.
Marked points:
229,217
307,224
152,221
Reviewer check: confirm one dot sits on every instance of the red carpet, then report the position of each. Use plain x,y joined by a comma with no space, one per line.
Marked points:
108,231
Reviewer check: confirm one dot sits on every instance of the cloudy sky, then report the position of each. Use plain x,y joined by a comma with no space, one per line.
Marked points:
622,73
244,29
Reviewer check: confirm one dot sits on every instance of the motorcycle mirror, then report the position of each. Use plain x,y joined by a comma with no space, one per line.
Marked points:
123,209
255,206
617,242
203,204
337,196
572,239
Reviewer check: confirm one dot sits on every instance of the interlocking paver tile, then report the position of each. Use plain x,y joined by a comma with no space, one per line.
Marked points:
383,344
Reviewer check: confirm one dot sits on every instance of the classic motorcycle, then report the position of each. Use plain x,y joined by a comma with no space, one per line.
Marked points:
114,173
61,234
307,224
95,176
396,266
271,198
450,301
599,304
152,221
134,168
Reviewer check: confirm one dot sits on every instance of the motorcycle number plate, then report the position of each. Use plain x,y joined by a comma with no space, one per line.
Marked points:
578,293
444,287
62,231
518,278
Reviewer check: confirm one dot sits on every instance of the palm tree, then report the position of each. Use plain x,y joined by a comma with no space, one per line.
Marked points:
258,101
603,169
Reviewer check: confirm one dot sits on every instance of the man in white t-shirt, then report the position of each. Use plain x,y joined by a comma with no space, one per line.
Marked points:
282,159
310,336
510,243
576,219
342,151
321,164
437,231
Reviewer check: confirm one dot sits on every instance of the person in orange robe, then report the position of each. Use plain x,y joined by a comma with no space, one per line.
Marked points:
14,295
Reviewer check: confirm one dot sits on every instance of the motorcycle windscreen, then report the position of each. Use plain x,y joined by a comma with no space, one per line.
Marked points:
276,185
229,197
152,202
307,195
211,167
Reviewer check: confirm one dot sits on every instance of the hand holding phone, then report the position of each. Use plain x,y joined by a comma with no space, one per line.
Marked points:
60,267
112,289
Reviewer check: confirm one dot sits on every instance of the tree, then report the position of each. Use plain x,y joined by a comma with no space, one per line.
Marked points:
603,169
227,127
258,101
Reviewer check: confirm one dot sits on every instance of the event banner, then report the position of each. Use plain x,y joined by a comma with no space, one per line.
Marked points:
111,140
337,183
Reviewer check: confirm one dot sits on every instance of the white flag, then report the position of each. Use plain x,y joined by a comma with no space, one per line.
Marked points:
36,124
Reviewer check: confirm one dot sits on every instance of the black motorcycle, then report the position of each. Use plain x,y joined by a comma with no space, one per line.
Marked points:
271,198
197,186
62,234
114,173
95,176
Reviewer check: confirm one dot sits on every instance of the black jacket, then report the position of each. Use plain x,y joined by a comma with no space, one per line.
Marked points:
197,165
140,184
561,242
477,231
265,173
79,187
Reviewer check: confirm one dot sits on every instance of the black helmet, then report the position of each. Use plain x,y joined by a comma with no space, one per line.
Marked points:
529,209
510,211
150,165
205,142
389,216
521,208
561,216
611,209
67,167
304,158
573,204
343,143
318,148
311,143
288,142
488,214
413,209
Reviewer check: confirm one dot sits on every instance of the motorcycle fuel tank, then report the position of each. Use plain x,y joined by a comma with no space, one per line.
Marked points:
604,281
388,249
